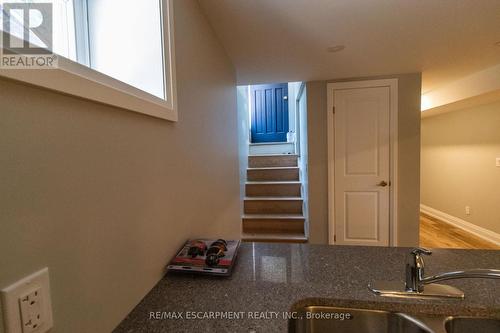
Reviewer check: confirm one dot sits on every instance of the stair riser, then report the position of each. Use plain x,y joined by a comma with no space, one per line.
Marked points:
273,175
273,207
273,226
273,190
272,161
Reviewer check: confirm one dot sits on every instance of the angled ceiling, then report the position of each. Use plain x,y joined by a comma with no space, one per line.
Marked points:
287,40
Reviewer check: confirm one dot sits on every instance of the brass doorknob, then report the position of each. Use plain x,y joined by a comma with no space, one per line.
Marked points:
383,183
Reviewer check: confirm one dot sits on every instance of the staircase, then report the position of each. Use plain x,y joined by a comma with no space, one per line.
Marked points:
273,206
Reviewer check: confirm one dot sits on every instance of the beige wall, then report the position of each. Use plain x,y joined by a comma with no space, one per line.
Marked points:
104,197
458,164
317,156
408,150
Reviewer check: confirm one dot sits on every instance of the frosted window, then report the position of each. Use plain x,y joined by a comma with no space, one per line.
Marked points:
125,42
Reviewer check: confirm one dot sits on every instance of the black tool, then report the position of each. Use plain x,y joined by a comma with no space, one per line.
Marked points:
215,252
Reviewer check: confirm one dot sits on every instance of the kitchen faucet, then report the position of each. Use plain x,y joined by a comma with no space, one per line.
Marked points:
417,285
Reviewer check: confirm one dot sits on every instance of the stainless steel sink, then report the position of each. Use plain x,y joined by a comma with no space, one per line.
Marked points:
467,325
318,319
335,319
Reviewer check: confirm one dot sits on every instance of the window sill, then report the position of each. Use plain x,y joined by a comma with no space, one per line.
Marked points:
75,79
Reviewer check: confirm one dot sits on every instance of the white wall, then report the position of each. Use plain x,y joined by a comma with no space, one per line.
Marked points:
303,152
293,89
104,197
294,126
242,102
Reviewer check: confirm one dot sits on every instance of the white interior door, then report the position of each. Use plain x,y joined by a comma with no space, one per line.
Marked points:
362,162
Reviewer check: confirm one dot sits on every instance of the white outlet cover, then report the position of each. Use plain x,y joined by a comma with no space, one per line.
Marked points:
498,162
31,305
11,296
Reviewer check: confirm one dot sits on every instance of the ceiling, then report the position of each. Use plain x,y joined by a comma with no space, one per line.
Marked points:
287,40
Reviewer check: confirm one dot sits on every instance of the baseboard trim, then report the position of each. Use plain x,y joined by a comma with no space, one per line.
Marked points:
478,231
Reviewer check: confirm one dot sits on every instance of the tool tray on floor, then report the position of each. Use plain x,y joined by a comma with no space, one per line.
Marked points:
195,261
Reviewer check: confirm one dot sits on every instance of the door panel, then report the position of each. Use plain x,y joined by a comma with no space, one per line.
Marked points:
269,112
361,215
361,138
362,161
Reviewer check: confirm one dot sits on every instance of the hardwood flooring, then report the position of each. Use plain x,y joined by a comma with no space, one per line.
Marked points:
437,234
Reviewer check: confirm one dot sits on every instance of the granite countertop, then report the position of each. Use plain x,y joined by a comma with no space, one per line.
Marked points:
270,279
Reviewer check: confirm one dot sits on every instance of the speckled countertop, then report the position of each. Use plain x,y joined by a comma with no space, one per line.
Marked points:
274,278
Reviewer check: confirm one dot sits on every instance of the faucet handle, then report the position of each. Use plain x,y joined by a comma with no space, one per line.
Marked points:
415,269
421,250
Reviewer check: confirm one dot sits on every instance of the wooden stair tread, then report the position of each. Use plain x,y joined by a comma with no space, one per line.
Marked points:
273,237
275,168
273,198
273,182
273,160
273,174
274,216
273,155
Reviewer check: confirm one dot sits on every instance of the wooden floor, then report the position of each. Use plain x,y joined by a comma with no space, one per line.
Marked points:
437,234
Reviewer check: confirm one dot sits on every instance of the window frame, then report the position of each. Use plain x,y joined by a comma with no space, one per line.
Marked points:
79,80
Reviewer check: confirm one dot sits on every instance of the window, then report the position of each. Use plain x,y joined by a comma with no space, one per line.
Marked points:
127,42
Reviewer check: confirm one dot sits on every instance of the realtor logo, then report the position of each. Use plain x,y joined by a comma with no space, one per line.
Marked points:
27,36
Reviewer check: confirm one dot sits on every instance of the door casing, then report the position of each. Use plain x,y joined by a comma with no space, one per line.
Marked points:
393,190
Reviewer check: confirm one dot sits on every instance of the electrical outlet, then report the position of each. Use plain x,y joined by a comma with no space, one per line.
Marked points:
27,306
31,310
498,161
467,210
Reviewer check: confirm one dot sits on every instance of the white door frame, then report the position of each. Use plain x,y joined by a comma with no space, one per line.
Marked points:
393,151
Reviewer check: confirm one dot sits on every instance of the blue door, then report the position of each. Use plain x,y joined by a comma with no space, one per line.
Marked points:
269,112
